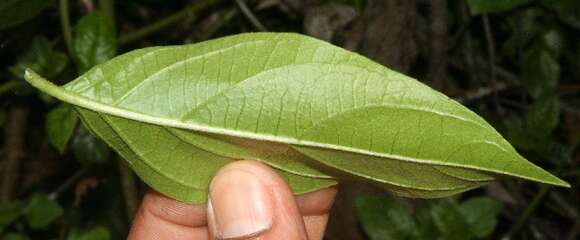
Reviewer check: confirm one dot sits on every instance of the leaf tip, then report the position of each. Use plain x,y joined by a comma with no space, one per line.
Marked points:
560,183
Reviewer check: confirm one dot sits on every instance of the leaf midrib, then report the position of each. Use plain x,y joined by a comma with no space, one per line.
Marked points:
82,101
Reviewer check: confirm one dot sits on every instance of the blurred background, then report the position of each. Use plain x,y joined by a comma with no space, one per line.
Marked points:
514,62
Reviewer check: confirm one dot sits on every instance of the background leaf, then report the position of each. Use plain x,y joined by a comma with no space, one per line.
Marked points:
94,41
42,58
60,126
15,236
42,211
14,12
96,233
481,214
386,219
88,149
10,211
543,116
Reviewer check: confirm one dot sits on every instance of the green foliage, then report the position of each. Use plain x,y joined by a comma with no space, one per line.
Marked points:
88,149
60,126
481,213
493,6
10,211
543,116
15,236
94,41
541,69
14,12
157,106
385,219
568,10
96,233
42,211
42,58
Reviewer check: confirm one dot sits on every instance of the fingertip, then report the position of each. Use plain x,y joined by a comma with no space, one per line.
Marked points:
171,210
318,202
249,199
160,217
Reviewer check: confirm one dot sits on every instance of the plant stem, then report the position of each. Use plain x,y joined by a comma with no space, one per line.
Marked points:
15,137
528,211
108,9
65,24
575,231
491,60
250,16
171,19
214,27
67,183
9,86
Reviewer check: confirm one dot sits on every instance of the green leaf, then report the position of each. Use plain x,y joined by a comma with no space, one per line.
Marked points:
15,236
568,10
449,221
88,149
314,111
384,219
14,12
42,211
543,116
97,233
481,215
478,7
541,72
10,211
42,59
94,41
60,125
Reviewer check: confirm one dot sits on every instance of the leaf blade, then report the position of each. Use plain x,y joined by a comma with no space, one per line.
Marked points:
320,97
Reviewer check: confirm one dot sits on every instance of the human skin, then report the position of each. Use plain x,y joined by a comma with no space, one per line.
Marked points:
249,200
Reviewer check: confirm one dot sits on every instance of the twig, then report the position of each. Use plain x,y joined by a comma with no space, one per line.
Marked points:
14,135
467,44
108,8
89,6
528,212
250,16
67,183
575,231
129,189
65,24
491,60
212,28
194,8
482,92
9,86
438,57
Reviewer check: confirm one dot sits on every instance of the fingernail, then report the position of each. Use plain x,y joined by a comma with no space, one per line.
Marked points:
238,205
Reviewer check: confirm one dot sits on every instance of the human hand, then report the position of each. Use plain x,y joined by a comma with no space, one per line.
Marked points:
247,200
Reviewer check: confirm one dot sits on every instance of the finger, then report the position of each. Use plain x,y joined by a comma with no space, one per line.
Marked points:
160,217
248,200
315,207
316,203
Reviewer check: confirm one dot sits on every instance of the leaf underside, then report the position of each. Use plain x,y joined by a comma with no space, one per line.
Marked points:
315,112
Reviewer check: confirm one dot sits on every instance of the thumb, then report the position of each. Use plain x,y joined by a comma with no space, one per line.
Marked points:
248,200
